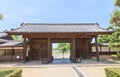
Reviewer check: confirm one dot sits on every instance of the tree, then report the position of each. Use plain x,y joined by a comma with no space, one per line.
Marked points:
115,22
106,38
1,16
113,39
64,47
16,37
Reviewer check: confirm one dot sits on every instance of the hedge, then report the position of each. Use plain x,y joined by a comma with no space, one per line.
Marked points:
15,72
112,72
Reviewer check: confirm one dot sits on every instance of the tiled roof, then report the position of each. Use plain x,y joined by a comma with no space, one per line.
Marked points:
52,28
3,40
3,34
11,43
6,40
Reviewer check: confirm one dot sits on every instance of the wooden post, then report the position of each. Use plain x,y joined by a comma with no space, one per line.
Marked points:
13,53
48,55
4,51
73,49
100,49
24,50
97,52
109,50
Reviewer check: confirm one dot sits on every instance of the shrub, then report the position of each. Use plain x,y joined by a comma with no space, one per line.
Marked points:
11,72
112,72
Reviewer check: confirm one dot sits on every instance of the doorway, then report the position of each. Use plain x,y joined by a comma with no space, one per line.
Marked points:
61,53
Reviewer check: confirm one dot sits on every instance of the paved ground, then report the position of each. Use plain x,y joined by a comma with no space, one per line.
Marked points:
33,72
93,71
91,68
64,71
48,72
58,72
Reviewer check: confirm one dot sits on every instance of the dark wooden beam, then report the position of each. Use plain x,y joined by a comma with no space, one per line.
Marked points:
89,33
58,35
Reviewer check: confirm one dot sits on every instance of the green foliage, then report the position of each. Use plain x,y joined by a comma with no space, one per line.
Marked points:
105,38
1,16
114,38
112,72
11,72
110,27
115,18
16,37
115,22
117,2
4,72
63,46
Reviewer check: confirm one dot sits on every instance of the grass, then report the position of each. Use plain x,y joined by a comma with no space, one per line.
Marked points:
112,72
10,72
5,71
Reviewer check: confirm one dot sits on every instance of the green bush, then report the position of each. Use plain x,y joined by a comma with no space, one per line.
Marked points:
15,72
112,72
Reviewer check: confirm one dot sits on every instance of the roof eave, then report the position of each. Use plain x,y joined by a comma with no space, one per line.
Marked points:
21,33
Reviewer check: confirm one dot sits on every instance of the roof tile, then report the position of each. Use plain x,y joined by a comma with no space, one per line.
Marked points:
71,27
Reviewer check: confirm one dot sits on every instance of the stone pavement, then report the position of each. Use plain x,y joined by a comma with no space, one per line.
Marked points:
93,71
65,71
49,72
58,72
32,72
90,68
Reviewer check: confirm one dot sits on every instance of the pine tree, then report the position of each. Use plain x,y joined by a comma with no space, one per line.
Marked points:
115,23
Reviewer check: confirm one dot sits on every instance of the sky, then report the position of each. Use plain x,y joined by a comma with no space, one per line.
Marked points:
16,12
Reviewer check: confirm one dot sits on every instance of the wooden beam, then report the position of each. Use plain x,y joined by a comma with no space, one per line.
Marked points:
58,35
97,52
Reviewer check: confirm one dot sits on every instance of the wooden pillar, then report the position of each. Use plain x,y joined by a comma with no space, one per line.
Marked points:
100,48
109,50
97,52
24,49
4,51
48,54
90,50
73,50
13,53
